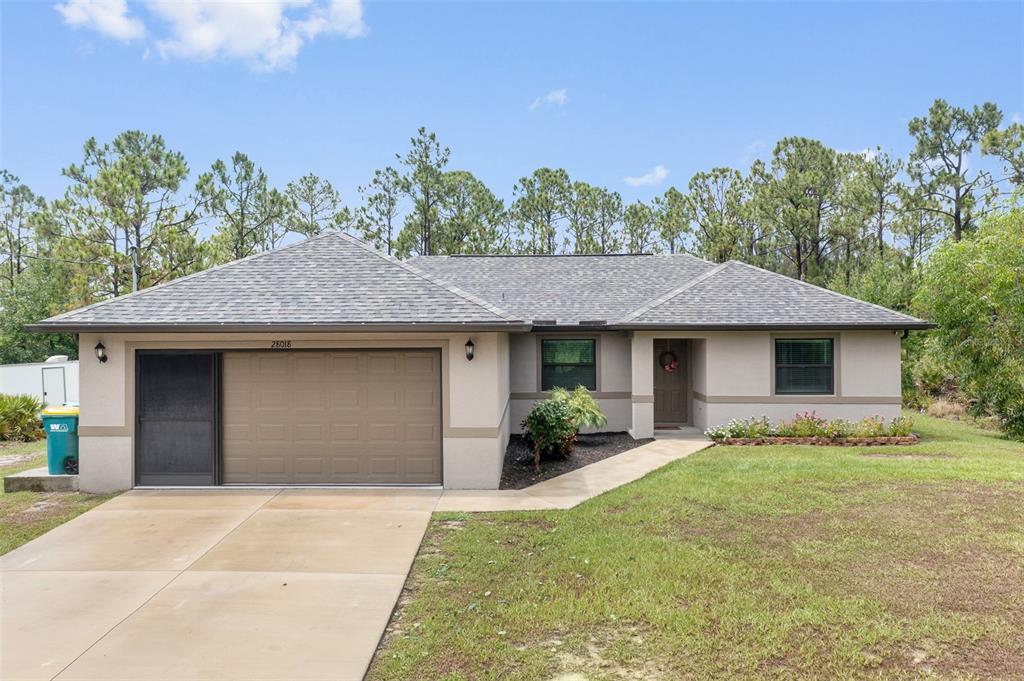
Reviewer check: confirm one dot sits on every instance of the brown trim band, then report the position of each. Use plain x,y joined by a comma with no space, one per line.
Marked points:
643,399
597,395
104,431
796,399
472,432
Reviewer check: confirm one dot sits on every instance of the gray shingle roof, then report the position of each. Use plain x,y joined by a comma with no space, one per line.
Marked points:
568,289
329,281
663,291
337,282
736,294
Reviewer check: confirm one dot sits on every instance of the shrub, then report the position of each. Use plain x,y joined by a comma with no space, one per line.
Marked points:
837,428
932,376
944,408
900,426
583,408
809,424
19,418
749,428
870,426
550,429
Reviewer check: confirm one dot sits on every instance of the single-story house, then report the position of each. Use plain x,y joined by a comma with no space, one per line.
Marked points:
326,362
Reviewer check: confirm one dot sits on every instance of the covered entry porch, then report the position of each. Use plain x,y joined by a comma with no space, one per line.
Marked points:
668,372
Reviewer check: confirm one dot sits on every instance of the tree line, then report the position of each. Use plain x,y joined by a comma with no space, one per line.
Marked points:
857,222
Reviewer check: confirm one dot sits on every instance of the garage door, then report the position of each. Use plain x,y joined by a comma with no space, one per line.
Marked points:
357,417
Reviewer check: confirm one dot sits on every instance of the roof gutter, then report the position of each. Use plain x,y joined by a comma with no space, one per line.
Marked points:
896,326
234,327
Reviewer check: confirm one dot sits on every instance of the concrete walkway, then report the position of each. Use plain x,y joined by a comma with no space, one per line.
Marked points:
577,486
247,585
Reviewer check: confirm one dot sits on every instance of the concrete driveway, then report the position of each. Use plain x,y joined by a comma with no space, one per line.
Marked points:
232,584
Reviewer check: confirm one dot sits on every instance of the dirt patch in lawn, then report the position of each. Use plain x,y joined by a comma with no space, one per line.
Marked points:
518,471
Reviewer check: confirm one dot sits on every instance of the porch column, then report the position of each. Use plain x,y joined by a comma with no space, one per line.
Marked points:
642,353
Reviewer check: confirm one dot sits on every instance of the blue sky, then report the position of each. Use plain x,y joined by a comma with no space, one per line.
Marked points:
620,89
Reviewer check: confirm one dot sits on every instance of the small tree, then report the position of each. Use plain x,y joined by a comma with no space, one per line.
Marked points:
550,430
974,290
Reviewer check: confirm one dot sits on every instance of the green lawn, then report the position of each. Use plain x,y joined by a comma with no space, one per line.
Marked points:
26,515
756,562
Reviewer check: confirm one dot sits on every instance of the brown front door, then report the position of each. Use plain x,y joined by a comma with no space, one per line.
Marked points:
671,388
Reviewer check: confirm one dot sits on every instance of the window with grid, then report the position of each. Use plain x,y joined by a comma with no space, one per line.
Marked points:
804,366
567,363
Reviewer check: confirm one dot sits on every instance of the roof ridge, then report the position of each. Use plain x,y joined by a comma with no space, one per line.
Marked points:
828,290
490,307
194,275
665,297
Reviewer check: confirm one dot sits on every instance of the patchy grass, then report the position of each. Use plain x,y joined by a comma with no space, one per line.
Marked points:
26,515
739,562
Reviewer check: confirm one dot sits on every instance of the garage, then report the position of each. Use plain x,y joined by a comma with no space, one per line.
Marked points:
332,417
357,417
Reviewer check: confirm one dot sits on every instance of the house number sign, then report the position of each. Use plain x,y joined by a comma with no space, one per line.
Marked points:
280,344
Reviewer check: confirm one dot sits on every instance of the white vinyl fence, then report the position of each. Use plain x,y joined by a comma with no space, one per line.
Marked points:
54,381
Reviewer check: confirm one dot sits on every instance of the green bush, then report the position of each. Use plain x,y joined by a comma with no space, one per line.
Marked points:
809,424
901,426
751,428
19,418
583,408
972,290
550,429
871,426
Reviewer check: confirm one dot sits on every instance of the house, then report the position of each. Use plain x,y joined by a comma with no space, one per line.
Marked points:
325,362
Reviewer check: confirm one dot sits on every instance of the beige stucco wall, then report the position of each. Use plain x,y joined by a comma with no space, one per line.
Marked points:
731,375
614,376
475,405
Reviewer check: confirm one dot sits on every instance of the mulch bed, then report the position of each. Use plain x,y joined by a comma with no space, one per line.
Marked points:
518,472
827,441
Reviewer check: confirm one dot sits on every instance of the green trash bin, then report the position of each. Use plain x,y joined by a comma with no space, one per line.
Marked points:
61,427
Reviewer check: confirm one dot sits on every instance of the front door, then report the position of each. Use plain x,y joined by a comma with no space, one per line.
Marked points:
671,382
176,433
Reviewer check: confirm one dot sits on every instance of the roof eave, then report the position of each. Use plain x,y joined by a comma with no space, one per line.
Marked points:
916,325
256,327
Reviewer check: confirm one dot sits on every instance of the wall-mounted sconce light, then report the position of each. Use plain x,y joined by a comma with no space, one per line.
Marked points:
101,352
469,349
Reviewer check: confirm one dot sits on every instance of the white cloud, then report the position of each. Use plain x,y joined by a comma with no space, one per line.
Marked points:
267,34
752,151
109,17
656,176
557,98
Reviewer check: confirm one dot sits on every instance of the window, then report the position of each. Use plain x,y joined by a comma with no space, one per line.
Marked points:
568,363
804,366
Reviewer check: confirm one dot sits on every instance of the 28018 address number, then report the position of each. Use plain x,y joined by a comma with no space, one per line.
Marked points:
280,344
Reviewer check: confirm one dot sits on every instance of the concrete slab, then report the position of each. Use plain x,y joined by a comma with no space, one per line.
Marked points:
40,480
363,542
357,499
48,618
189,500
248,627
129,540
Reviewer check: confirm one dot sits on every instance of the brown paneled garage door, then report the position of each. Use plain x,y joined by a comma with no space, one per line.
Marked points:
357,417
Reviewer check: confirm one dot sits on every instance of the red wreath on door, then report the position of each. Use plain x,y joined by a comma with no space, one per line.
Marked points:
668,361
